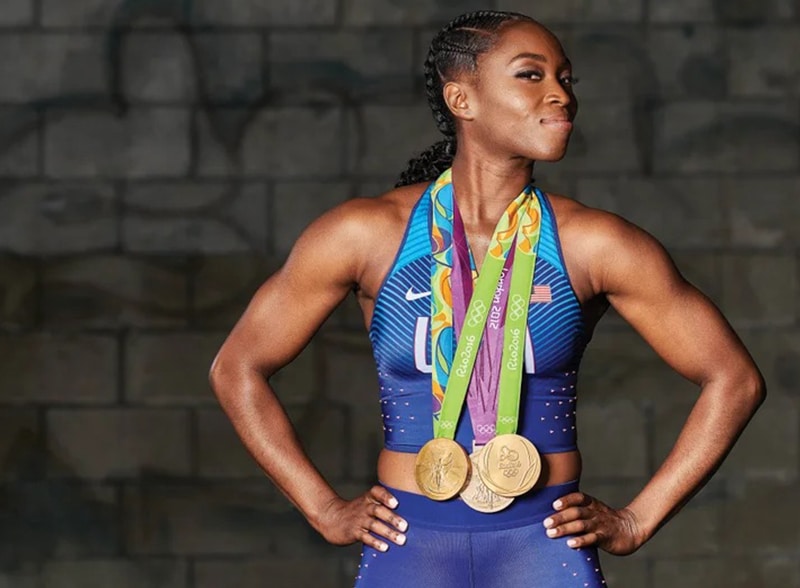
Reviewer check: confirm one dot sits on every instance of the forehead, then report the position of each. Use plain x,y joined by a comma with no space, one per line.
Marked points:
524,37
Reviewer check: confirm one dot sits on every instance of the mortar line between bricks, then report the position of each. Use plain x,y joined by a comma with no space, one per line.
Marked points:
650,572
190,577
346,142
100,103
193,440
194,140
192,28
41,420
347,414
190,299
41,140
122,338
266,62
36,17
797,106
119,495
575,26
121,188
270,214
220,179
339,14
650,438
38,293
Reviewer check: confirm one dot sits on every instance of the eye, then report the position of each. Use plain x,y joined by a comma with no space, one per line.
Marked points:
569,80
531,74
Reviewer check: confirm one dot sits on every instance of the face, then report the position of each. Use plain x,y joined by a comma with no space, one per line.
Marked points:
521,102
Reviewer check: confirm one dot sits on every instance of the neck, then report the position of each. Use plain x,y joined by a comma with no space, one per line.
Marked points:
484,188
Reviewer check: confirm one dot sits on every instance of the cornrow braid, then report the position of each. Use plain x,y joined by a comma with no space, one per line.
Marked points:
453,51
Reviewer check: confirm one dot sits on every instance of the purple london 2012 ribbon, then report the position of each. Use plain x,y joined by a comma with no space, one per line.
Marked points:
484,383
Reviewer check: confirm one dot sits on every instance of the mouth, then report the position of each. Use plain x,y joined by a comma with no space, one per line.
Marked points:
557,122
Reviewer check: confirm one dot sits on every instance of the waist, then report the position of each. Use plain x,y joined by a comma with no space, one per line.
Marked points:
455,515
396,469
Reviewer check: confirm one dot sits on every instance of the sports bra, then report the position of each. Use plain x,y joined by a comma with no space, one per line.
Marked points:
401,344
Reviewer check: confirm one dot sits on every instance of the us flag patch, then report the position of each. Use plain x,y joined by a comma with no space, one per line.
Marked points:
541,294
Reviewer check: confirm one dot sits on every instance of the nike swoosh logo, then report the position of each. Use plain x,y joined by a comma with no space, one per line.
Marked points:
411,295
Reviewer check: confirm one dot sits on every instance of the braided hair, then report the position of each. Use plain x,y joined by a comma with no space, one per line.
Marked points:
454,50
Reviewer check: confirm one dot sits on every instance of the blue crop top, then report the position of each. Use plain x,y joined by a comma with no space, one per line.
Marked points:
401,344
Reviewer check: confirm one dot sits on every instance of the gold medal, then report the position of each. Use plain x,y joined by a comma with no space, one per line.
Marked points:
510,465
442,469
477,495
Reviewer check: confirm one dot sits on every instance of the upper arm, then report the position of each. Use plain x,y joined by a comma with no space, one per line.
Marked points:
679,322
290,306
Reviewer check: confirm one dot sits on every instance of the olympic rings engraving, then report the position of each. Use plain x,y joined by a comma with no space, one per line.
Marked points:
477,313
516,308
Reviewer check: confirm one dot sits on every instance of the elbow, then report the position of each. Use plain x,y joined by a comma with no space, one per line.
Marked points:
759,390
216,375
754,389
222,375
233,377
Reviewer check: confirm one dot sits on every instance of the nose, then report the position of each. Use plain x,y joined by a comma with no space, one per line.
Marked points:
562,96
558,94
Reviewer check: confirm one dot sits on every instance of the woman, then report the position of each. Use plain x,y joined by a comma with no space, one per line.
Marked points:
500,88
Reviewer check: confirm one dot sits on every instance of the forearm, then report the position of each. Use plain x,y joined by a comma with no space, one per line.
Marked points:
268,434
713,426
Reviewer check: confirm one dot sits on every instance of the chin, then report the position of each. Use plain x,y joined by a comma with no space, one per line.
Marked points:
552,154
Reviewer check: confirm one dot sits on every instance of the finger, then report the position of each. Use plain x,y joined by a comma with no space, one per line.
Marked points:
572,528
583,540
381,512
571,514
382,495
383,531
574,499
372,541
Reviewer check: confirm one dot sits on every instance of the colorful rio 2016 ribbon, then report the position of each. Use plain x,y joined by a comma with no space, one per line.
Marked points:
441,462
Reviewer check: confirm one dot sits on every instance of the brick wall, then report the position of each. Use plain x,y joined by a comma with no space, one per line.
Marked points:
159,157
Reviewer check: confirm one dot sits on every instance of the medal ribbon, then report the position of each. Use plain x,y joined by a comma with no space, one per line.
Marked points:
521,219
516,324
483,387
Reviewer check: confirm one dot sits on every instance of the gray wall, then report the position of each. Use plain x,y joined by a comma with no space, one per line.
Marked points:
159,157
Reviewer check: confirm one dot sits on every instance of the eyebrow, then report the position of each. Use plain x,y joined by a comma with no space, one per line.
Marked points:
537,57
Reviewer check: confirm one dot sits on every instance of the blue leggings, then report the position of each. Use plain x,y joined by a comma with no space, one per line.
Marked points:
449,545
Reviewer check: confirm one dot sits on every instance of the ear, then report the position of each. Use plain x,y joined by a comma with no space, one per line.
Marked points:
457,97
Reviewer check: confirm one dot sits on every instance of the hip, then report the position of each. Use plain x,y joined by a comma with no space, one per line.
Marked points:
396,469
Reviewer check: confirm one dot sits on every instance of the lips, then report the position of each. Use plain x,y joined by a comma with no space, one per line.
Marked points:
558,122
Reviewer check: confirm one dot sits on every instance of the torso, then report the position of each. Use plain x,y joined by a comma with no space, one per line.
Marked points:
395,468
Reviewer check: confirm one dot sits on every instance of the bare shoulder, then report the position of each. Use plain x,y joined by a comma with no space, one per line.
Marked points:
365,233
602,244
598,226
361,219
385,211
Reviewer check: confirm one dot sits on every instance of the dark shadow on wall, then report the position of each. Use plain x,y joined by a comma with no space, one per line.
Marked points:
45,516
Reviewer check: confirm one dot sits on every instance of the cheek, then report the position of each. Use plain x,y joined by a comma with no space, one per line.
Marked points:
515,104
506,114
